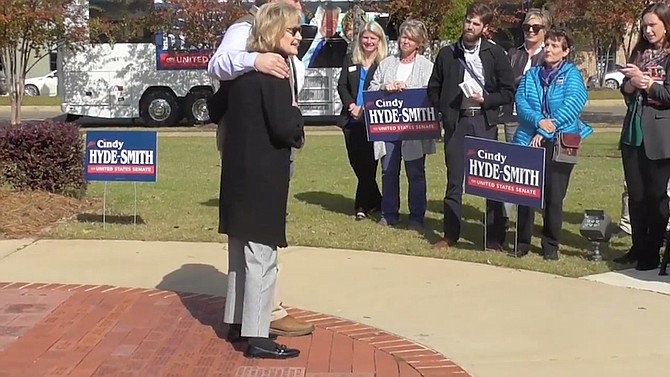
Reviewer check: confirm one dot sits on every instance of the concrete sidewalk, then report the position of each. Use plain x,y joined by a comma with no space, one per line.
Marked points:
491,321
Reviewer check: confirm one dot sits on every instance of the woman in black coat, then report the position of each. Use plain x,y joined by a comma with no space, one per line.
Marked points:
368,50
263,123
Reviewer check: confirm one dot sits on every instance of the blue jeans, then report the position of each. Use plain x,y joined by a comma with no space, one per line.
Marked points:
416,177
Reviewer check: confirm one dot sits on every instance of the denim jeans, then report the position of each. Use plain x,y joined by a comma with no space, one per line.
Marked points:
416,176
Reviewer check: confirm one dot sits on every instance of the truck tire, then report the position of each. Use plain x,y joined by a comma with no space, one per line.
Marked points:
195,106
160,108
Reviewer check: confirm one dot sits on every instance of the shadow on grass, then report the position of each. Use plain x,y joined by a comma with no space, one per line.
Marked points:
214,202
336,203
201,278
110,219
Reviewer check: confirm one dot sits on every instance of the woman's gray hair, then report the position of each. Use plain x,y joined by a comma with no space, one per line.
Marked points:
541,15
417,32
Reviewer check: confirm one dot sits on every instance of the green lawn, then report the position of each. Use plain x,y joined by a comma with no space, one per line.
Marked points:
595,94
598,94
182,206
34,101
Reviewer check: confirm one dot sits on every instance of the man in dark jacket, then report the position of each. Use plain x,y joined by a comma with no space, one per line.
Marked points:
491,86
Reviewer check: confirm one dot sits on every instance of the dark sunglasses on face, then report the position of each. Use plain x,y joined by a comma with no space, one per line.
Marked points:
293,30
535,28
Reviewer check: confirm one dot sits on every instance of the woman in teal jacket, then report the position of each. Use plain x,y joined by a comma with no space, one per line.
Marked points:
549,100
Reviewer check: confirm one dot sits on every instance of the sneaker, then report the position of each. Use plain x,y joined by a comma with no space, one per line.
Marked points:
360,215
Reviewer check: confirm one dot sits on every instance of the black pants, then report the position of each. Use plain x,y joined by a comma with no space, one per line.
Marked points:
362,160
647,182
556,181
453,198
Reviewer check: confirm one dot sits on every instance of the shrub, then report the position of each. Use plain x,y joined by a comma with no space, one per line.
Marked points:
43,156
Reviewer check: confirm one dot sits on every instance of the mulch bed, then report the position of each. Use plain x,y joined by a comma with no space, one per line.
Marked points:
29,213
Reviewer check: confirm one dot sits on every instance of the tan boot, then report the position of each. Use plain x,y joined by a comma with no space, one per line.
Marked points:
289,326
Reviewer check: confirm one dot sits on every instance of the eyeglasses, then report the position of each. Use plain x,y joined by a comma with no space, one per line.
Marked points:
534,28
293,30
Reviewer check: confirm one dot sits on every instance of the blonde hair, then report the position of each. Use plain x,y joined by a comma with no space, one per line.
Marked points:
270,24
539,14
416,30
357,55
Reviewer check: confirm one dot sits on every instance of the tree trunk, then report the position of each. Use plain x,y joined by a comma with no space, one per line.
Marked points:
16,98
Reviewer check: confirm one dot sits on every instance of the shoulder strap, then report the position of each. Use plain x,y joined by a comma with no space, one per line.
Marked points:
467,68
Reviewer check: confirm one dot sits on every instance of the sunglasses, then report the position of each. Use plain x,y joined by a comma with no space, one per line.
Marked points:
534,28
293,30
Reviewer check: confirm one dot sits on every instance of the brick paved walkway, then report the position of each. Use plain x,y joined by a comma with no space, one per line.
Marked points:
73,330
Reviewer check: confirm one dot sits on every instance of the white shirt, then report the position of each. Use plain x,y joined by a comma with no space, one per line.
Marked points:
232,59
404,70
473,61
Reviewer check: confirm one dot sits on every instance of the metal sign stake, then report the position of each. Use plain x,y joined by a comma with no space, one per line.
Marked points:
135,205
104,208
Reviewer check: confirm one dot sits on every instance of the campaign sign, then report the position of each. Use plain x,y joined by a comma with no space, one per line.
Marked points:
121,156
407,115
504,172
172,53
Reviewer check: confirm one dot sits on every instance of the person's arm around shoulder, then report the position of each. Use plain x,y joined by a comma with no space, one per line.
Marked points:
232,59
343,84
524,111
436,79
661,92
574,100
505,76
284,120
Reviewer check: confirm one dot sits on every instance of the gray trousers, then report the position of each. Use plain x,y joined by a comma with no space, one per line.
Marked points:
510,129
252,275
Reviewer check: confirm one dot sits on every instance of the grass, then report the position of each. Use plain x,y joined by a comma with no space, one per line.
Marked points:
607,94
182,206
34,101
595,94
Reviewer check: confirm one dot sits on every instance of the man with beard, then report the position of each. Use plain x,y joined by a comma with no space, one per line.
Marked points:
471,79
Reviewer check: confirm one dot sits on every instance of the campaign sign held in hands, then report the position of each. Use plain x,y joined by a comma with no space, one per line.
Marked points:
125,156
406,115
504,172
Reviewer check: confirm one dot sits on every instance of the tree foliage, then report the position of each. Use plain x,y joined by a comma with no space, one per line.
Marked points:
199,22
29,31
431,12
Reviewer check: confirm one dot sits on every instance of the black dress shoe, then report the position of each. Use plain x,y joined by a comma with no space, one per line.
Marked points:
647,264
278,352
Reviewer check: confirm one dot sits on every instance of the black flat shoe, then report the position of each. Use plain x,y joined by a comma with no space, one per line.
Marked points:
278,352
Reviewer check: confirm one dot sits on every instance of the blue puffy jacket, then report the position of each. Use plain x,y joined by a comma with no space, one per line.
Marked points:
566,97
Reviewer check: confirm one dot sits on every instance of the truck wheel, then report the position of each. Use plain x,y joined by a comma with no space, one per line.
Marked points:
160,108
195,106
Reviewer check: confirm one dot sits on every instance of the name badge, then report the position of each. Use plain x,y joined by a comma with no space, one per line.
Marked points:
352,68
560,80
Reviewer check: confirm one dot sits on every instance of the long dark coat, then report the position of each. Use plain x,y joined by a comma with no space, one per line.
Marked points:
261,127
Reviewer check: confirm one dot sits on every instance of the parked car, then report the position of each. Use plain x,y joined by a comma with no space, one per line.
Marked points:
46,85
612,79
